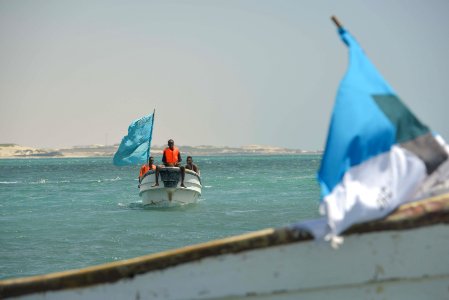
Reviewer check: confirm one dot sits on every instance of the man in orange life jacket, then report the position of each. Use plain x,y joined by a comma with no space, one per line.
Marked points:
146,167
171,157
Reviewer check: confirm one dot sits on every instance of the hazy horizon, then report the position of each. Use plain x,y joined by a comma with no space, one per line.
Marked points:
159,146
222,73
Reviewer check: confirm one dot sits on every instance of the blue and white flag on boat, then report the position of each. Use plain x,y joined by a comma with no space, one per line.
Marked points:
377,154
135,147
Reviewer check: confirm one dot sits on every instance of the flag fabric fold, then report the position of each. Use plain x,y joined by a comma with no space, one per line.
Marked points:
135,147
377,152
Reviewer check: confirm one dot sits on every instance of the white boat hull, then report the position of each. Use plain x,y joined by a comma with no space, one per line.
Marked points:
402,257
162,196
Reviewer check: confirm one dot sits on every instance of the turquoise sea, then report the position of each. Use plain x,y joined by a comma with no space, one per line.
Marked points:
58,214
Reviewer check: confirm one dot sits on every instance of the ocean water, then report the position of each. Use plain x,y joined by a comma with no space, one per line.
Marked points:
59,214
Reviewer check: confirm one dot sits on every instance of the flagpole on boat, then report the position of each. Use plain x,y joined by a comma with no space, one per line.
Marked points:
151,136
336,22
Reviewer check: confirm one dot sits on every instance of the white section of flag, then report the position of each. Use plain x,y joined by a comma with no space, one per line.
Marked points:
373,189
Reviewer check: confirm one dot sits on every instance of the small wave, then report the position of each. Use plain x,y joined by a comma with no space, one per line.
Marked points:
46,181
132,205
8,182
236,212
113,179
40,181
207,186
304,177
105,180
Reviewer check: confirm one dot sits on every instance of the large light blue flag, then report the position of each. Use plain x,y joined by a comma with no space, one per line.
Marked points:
135,147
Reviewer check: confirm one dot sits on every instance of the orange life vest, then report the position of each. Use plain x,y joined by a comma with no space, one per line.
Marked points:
145,168
171,156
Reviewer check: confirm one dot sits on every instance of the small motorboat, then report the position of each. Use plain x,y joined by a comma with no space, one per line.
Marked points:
169,192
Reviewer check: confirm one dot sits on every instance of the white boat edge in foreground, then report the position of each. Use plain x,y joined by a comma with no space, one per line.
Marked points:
403,256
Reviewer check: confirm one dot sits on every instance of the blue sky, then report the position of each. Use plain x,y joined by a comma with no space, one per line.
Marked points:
218,72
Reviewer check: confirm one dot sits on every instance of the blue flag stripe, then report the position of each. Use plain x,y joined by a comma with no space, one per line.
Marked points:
359,129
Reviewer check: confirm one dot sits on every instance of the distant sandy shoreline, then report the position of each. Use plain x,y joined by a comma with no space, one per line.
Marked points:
18,151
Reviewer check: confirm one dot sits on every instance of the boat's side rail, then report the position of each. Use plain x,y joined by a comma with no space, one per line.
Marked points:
112,272
148,174
186,170
192,173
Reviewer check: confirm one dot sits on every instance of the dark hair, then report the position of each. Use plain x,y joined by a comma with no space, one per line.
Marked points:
189,157
171,141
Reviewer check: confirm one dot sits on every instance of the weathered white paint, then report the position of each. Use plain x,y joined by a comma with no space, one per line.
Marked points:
166,197
403,264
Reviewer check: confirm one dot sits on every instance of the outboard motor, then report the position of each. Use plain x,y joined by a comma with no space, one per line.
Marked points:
170,176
